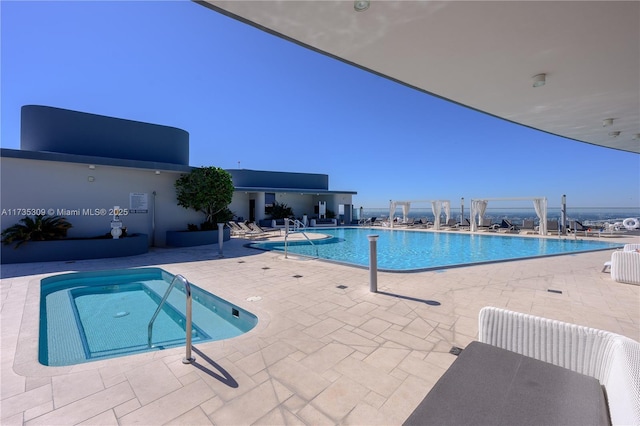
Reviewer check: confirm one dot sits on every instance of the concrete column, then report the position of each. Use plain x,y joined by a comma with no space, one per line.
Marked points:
347,214
259,197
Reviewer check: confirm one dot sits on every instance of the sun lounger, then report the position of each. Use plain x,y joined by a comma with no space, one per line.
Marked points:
552,227
235,228
249,230
528,226
507,226
259,229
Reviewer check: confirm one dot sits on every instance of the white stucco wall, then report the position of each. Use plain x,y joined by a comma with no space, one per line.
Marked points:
66,188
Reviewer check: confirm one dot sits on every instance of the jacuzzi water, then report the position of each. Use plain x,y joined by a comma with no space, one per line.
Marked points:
407,251
87,316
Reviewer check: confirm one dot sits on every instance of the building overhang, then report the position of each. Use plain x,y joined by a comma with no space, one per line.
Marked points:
301,191
93,160
485,55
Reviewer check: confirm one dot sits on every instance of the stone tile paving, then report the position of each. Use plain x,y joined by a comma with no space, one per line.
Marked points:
325,350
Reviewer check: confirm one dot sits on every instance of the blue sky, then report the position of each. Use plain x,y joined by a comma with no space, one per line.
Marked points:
252,100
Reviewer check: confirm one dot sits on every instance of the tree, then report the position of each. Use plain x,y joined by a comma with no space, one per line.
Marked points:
208,190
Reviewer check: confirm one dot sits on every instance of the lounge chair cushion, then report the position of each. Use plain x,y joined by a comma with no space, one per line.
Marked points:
493,386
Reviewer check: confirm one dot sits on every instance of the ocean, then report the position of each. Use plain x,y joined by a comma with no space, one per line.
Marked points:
585,215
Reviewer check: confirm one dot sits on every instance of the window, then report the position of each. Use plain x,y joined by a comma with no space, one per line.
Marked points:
269,201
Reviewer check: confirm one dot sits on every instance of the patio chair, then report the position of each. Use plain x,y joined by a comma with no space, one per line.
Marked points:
451,223
261,230
528,226
552,227
507,226
247,229
625,265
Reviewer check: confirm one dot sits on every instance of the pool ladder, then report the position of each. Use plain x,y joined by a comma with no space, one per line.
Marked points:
297,227
188,359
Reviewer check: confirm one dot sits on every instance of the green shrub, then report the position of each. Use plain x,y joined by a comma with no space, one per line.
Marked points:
281,211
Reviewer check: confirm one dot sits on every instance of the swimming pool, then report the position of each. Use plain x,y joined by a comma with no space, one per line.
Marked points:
411,251
86,316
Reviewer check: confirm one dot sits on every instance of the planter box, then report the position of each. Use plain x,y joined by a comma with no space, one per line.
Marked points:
195,238
75,249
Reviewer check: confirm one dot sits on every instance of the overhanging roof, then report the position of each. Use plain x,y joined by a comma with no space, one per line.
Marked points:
484,54
302,191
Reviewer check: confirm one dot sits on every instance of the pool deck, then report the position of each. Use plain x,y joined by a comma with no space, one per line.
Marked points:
325,351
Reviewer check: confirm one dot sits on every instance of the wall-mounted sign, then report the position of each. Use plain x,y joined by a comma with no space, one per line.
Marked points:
138,202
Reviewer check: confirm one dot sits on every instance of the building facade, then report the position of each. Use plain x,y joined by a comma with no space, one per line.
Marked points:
83,166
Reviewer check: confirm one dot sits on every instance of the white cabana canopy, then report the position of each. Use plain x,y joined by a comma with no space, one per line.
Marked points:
479,207
436,207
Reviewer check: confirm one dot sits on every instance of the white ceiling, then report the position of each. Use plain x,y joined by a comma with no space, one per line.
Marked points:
483,54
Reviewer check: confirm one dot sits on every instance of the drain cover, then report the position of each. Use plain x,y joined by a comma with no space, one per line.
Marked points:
297,276
265,268
455,350
554,291
341,286
253,298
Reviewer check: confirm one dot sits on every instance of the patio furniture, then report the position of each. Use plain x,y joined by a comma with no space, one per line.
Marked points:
529,370
625,267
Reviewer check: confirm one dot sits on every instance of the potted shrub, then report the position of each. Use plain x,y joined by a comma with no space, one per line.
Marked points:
208,190
281,211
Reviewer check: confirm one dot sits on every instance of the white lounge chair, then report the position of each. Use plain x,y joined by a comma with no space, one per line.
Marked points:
627,247
625,267
611,358
532,370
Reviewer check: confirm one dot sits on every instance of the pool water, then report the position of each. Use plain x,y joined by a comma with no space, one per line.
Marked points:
410,251
88,316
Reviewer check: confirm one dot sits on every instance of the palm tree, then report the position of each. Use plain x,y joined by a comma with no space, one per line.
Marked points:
40,228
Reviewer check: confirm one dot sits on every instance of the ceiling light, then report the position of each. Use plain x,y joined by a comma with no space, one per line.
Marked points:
361,5
607,122
614,134
539,80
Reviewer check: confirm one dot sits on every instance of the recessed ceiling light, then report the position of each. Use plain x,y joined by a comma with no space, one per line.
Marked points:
607,122
614,134
539,80
361,5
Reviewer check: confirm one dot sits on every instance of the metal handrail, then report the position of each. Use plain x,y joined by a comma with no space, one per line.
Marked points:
297,226
188,359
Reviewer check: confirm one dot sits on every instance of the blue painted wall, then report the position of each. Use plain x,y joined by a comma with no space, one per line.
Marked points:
45,128
263,179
